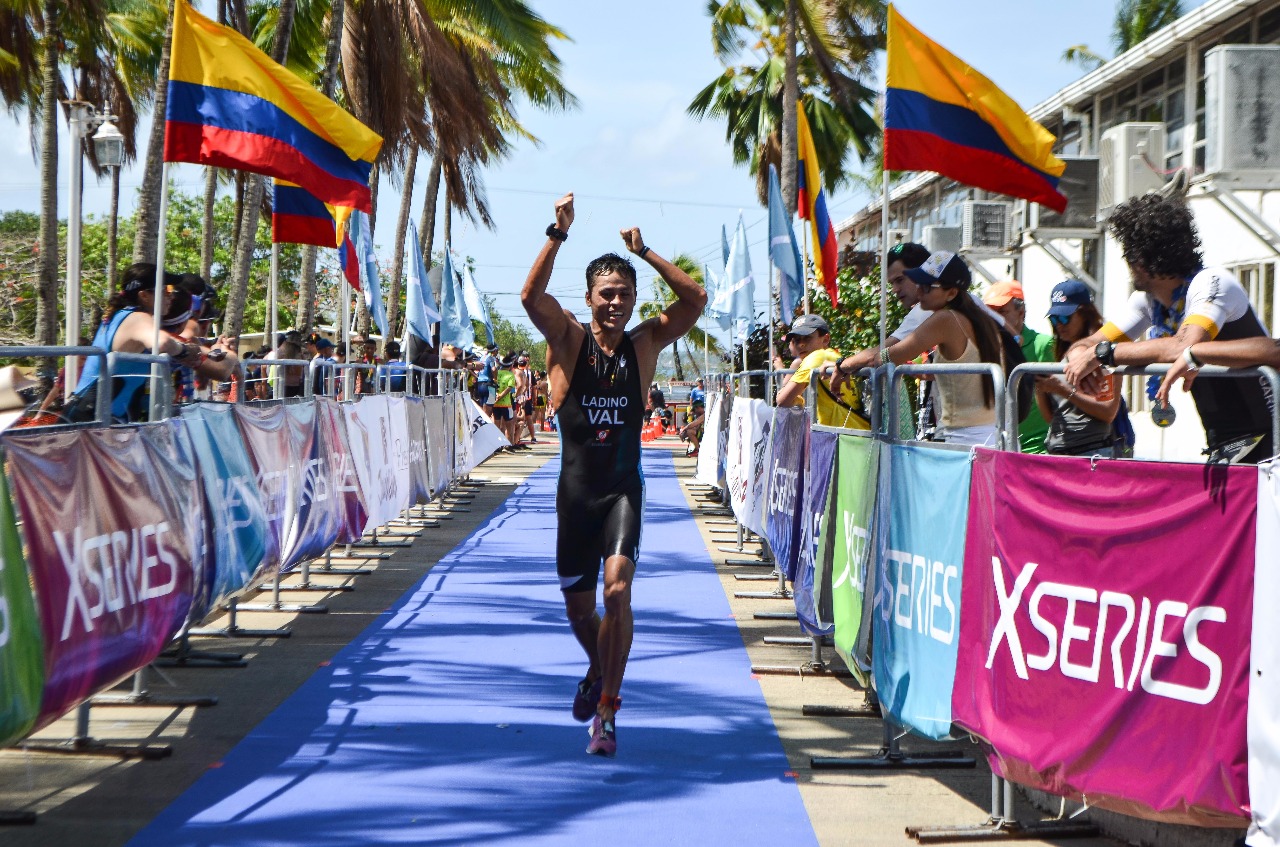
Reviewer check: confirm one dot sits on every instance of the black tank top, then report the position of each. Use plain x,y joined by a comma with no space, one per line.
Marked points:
601,418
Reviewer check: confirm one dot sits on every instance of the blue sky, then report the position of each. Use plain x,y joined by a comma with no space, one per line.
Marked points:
633,156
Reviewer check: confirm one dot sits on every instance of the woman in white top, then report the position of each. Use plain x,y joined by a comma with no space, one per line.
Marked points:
962,333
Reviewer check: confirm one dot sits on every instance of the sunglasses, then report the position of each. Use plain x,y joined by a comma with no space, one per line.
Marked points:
1060,320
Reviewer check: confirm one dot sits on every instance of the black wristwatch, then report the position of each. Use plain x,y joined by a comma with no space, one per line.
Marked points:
1106,353
558,234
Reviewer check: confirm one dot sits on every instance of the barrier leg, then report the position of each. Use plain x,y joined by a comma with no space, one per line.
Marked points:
307,584
781,592
234,630
1003,825
376,543
328,567
141,696
183,655
83,744
814,667
17,818
891,757
276,606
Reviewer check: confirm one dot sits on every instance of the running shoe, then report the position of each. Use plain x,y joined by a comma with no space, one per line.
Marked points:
584,701
604,738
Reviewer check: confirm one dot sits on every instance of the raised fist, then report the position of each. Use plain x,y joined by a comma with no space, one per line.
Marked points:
564,212
631,237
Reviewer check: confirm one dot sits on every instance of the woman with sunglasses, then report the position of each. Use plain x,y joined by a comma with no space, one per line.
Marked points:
1080,422
962,332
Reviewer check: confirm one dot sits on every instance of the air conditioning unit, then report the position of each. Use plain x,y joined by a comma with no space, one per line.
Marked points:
942,238
1131,156
984,226
1242,114
899,236
1079,183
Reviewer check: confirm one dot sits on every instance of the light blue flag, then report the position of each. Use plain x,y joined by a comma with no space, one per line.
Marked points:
783,251
421,309
724,245
715,282
369,273
739,288
476,305
455,320
920,566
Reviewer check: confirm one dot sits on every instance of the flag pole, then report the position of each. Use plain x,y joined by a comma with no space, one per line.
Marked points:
773,353
884,254
158,302
344,291
275,291
804,272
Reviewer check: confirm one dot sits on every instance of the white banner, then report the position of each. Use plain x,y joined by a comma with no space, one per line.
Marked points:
438,431
482,439
401,453
369,437
1264,668
709,448
744,467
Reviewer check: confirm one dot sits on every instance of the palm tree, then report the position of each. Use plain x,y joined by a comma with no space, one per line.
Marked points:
695,340
1136,20
839,38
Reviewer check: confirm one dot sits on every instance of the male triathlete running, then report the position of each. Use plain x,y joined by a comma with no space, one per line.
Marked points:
597,374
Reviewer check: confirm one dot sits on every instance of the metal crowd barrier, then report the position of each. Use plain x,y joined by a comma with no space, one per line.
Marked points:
1211,371
102,405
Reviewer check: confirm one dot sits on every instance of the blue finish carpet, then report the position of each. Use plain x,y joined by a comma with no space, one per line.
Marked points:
447,721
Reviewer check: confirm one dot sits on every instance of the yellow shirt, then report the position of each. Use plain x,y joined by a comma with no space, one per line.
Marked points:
847,412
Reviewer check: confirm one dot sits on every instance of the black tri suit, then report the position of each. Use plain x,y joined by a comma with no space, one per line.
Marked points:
600,494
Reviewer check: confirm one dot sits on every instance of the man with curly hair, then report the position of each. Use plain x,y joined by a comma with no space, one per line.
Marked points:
1176,304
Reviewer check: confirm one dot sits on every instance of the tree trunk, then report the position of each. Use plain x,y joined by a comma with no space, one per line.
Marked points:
239,288
427,226
147,217
47,266
675,353
374,179
448,221
307,283
113,224
397,261
210,198
790,96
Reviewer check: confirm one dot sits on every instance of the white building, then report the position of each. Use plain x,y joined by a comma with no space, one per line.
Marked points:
1126,128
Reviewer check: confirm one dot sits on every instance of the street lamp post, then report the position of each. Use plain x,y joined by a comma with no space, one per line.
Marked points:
83,117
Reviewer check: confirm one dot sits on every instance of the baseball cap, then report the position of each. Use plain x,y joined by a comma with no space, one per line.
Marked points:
808,325
942,268
1067,296
492,348
1002,292
323,343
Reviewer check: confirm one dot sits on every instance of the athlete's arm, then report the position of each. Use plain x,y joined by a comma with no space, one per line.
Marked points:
681,316
544,310
1239,353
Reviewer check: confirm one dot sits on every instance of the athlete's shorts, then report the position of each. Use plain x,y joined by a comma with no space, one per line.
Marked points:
591,529
488,393
528,407
502,413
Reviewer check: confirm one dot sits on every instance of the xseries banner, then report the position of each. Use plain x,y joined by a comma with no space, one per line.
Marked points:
916,628
1105,632
1264,669
851,527
21,656
812,586
785,473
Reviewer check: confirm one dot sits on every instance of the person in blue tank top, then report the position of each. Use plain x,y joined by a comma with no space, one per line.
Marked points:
128,327
596,372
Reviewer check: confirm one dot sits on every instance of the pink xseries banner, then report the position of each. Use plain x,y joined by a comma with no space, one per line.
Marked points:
1105,631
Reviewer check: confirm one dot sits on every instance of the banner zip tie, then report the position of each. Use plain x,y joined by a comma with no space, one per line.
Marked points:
1078,812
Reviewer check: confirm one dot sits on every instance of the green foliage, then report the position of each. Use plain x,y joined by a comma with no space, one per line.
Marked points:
856,324
19,223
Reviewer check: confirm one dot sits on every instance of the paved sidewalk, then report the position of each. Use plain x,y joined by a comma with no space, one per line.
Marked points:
104,801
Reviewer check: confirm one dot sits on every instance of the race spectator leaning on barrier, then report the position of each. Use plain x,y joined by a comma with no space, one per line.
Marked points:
1242,353
1007,299
320,364
692,430
392,372
1080,419
128,327
487,379
810,339
962,332
1178,303
597,374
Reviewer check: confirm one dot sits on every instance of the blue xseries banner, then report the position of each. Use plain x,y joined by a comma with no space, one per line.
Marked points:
917,602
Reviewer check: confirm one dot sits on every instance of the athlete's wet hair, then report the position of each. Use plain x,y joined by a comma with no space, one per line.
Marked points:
1158,234
607,264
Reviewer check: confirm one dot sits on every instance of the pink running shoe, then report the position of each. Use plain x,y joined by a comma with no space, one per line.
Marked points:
604,738
585,699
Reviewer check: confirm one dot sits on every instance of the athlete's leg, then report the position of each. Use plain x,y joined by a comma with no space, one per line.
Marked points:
616,628
585,623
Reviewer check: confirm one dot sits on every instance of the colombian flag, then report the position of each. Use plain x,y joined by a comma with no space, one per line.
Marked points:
812,205
231,106
299,218
942,115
